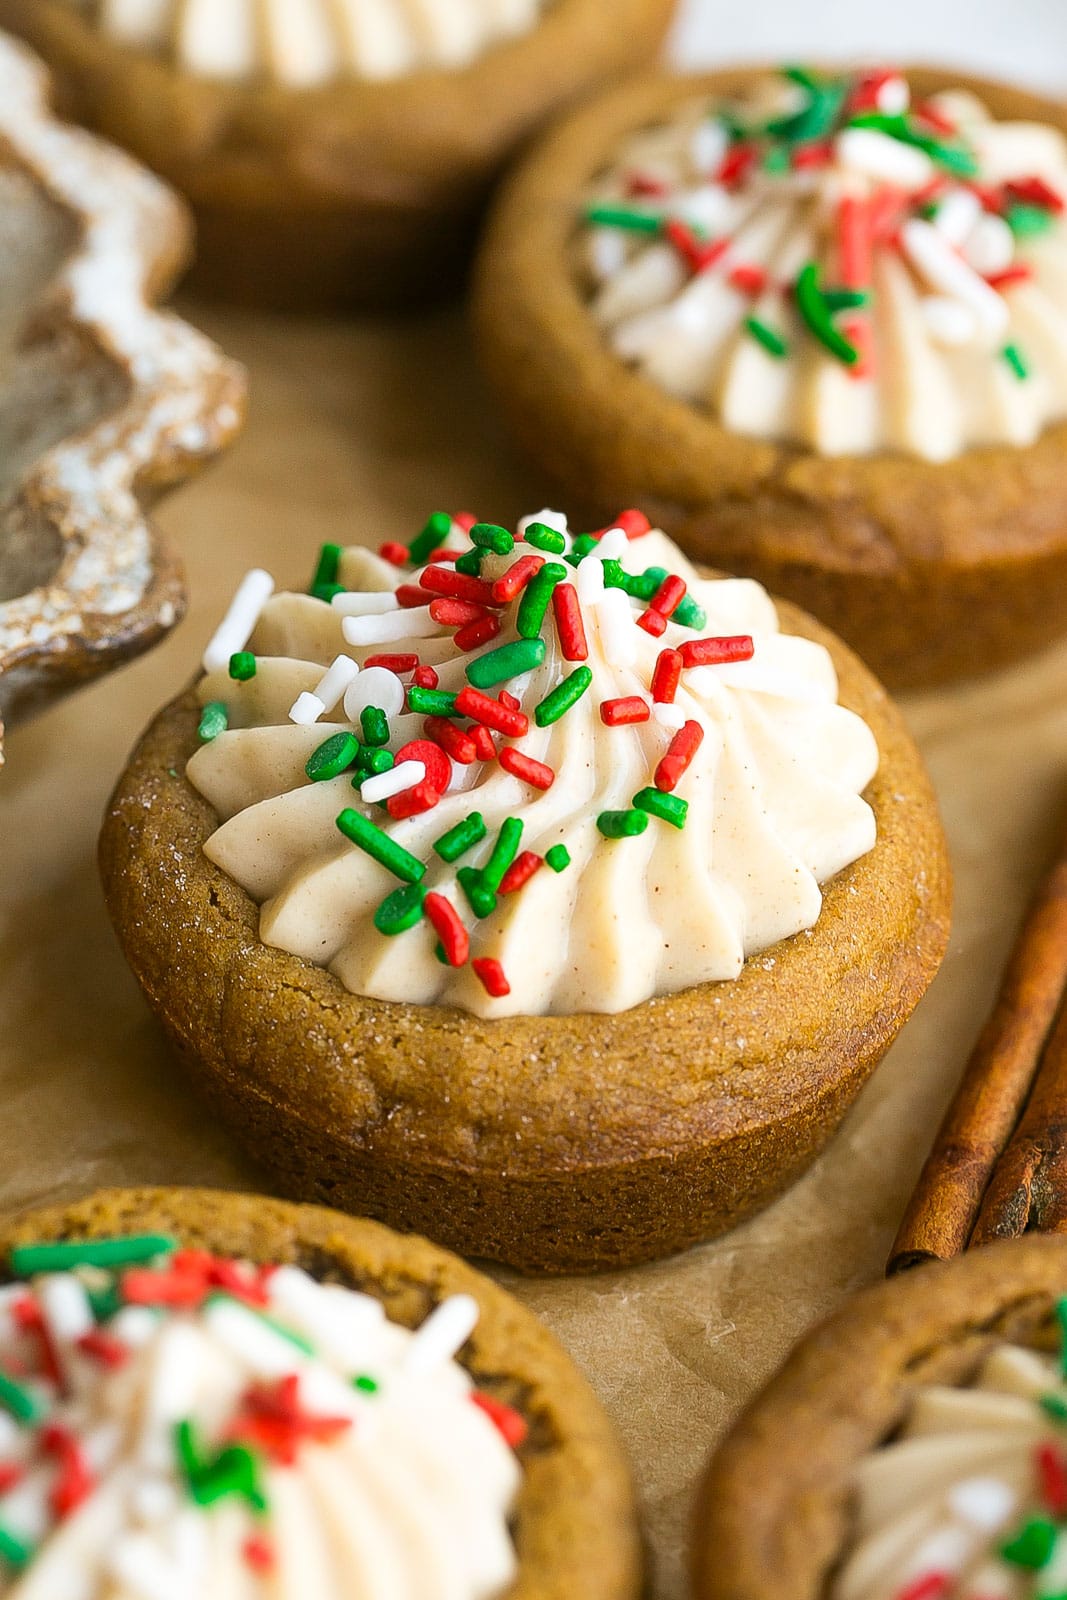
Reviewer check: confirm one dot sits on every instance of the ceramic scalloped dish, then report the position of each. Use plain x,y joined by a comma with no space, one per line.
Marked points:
104,401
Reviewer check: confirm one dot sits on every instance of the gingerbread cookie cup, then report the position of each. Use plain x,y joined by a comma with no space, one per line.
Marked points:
554,1143
355,193
573,1520
775,1515
931,569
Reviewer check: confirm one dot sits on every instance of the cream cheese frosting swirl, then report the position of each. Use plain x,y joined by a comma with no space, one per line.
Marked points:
828,264
610,782
174,1424
970,1501
303,43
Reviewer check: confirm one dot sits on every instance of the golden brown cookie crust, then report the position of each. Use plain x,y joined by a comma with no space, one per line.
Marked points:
932,571
355,193
772,1516
552,1143
575,1519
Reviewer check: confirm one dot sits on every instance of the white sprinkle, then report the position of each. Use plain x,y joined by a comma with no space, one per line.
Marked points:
935,260
306,710
246,1336
669,716
990,247
66,1308
395,781
144,1571
708,146
589,579
708,207
375,686
334,681
613,546
876,155
443,1334
414,624
154,1500
336,1324
135,1326
551,519
618,631
894,97
985,1503
957,215
365,603
948,322
606,252
236,627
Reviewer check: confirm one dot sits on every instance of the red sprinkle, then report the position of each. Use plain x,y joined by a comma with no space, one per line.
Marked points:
454,613
1007,279
433,758
515,579
569,624
30,1318
653,622
482,740
464,520
425,677
459,585
75,1481
491,976
258,1553
409,596
819,153
641,185
526,768
669,596
633,523
933,117
414,801
11,1473
393,663
441,554
471,702
1052,1477
273,1419
630,708
103,1347
449,929
395,554
1035,191
680,752
714,652
736,162
667,676
509,1423
521,871
475,633
698,254
512,702
930,1586
453,741
749,280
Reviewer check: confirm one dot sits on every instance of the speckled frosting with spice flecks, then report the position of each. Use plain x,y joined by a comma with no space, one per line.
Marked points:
826,263
528,774
174,1423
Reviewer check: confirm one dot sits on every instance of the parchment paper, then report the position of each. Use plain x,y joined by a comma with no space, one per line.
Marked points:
359,431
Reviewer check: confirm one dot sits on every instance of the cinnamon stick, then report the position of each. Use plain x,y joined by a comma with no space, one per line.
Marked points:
987,1107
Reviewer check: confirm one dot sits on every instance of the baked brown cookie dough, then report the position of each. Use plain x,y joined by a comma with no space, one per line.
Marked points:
931,570
775,1514
574,1517
356,193
554,1143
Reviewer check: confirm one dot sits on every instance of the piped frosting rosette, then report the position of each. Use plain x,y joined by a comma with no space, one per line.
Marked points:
526,775
174,1424
969,1502
302,43
829,264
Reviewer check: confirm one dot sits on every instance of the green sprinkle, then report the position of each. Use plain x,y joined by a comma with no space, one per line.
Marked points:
558,858
506,661
536,599
668,807
431,702
1028,222
776,160
814,120
643,585
771,341
563,697
214,719
504,852
105,1302
400,910
953,157
326,591
1061,1314
1032,1546
845,299
375,725
333,757
372,763
326,569
242,666
378,845
487,536
463,837
622,824
280,1328
584,545
812,306
544,538
365,1384
20,1402
614,575
15,1551
233,1471
29,1259
689,613
480,896
628,217
470,562
1016,361
436,531
1055,1406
